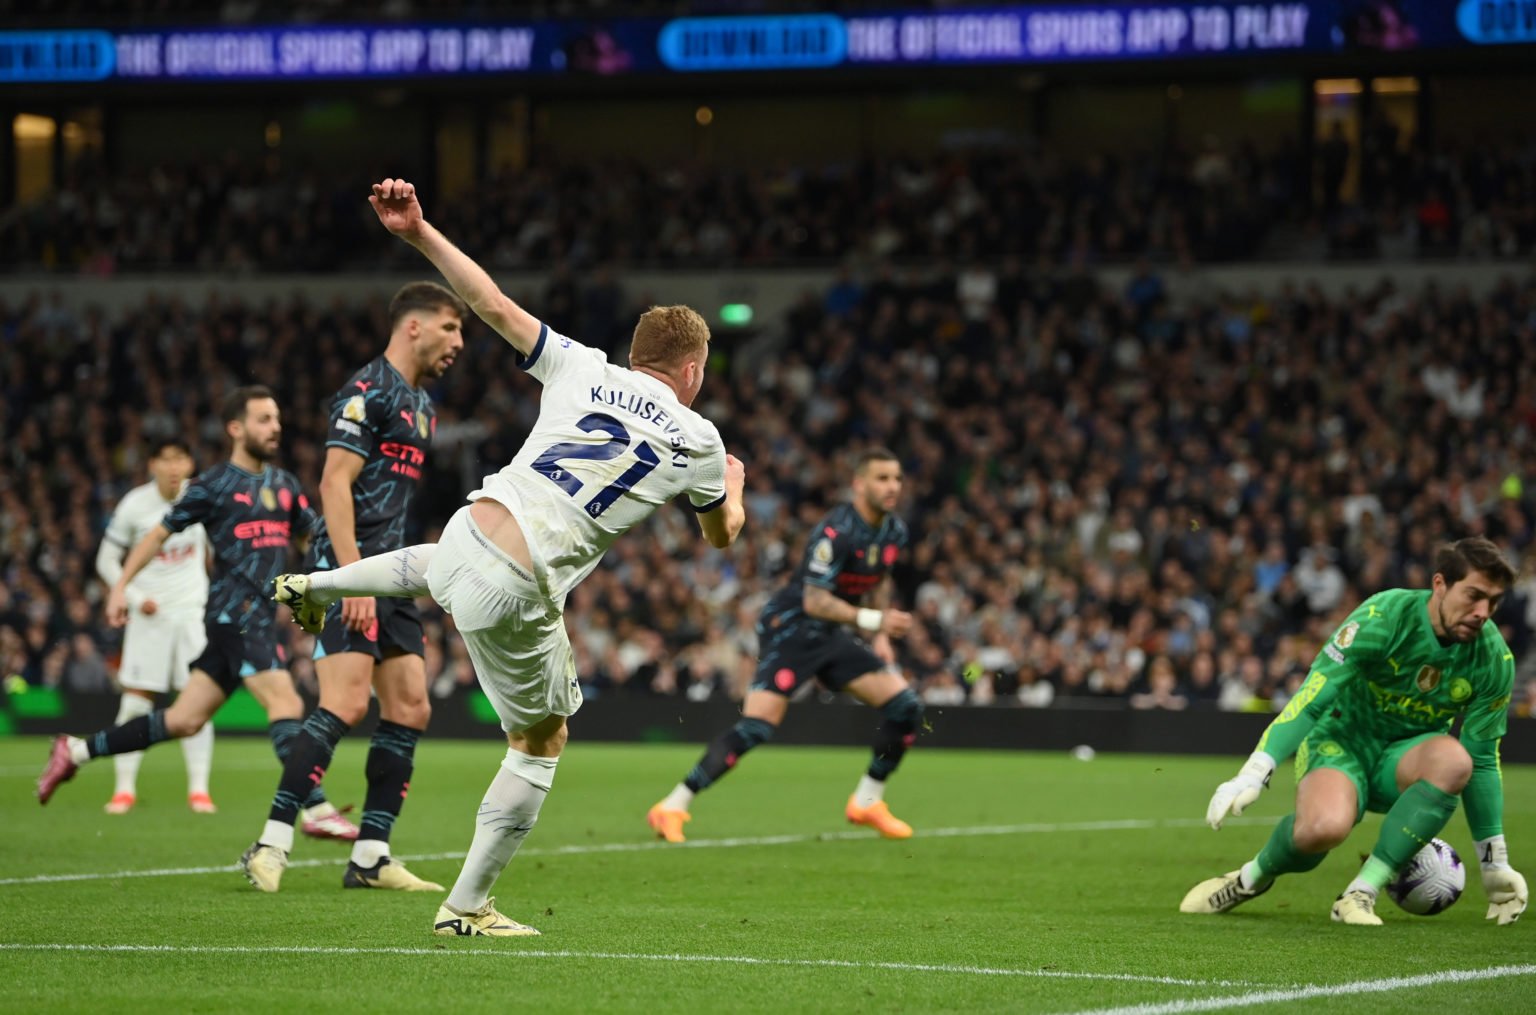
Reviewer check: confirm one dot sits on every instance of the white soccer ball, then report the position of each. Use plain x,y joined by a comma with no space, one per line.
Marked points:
1432,881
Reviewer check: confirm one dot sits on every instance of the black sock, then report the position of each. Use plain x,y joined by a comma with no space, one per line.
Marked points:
391,757
903,717
726,749
306,753
133,735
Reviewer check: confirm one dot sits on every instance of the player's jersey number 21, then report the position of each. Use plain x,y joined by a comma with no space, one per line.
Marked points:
549,463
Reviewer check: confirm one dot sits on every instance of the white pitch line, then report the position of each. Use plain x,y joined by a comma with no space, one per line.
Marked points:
1321,990
1130,824
520,953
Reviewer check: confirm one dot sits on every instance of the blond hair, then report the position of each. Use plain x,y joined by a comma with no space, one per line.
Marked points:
667,337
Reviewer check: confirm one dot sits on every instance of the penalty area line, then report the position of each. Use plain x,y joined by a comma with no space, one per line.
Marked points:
1299,993
550,953
579,849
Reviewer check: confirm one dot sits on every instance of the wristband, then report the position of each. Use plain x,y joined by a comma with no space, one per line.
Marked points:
869,620
1492,853
1260,765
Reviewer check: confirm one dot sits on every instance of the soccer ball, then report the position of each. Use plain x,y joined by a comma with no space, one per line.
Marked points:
1431,881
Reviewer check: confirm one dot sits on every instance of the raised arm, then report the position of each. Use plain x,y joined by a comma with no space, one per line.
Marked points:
399,211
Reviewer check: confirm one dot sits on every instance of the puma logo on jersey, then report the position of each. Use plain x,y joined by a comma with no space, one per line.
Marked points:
244,498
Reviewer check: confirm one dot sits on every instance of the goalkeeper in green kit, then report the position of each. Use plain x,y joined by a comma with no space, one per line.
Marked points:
1370,729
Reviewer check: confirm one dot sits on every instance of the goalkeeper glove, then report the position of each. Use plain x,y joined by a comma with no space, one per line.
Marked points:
1504,886
1238,792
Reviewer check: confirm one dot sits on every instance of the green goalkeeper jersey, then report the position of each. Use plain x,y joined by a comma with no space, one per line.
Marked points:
1385,675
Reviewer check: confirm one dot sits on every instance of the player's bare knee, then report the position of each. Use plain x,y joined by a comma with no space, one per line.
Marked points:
1448,766
183,722
1318,833
349,710
414,712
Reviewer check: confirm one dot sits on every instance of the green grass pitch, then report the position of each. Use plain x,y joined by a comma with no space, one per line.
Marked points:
1036,883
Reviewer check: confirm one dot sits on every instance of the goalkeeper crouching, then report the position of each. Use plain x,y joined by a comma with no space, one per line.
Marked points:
1370,729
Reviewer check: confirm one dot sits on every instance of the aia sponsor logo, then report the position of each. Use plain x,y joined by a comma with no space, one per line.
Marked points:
263,533
405,460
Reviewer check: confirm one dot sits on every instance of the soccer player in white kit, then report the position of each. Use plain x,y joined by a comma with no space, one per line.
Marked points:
165,617
610,446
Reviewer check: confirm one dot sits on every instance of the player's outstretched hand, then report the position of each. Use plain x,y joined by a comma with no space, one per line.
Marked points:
1234,795
1507,894
895,623
394,202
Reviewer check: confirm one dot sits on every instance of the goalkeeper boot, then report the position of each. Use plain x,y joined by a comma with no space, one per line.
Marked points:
879,817
387,873
668,823
484,921
263,866
292,591
1220,895
1356,908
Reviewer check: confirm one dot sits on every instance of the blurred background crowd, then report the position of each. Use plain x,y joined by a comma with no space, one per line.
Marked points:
1143,470
1113,499
1203,203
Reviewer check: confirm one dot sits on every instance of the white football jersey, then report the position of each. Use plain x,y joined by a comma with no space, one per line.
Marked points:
610,446
177,579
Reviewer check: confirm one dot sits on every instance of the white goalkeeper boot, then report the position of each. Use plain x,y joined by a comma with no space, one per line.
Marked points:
1220,895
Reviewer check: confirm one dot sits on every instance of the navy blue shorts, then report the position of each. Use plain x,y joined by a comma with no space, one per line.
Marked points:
237,651
795,651
396,630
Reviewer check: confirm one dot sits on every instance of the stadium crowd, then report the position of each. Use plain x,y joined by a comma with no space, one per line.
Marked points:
1112,499
1212,204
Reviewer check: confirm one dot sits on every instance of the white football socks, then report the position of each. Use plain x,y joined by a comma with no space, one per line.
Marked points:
367,853
127,765
399,573
275,833
679,799
870,791
507,815
197,751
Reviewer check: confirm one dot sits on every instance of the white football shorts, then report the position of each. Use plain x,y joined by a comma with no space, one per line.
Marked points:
159,649
514,633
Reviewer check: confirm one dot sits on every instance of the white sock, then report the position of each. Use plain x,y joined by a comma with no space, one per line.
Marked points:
317,812
367,853
400,573
507,815
1359,885
127,765
78,752
1249,876
679,799
277,834
197,750
870,791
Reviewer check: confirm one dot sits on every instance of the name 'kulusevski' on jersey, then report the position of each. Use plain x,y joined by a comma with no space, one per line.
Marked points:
389,422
